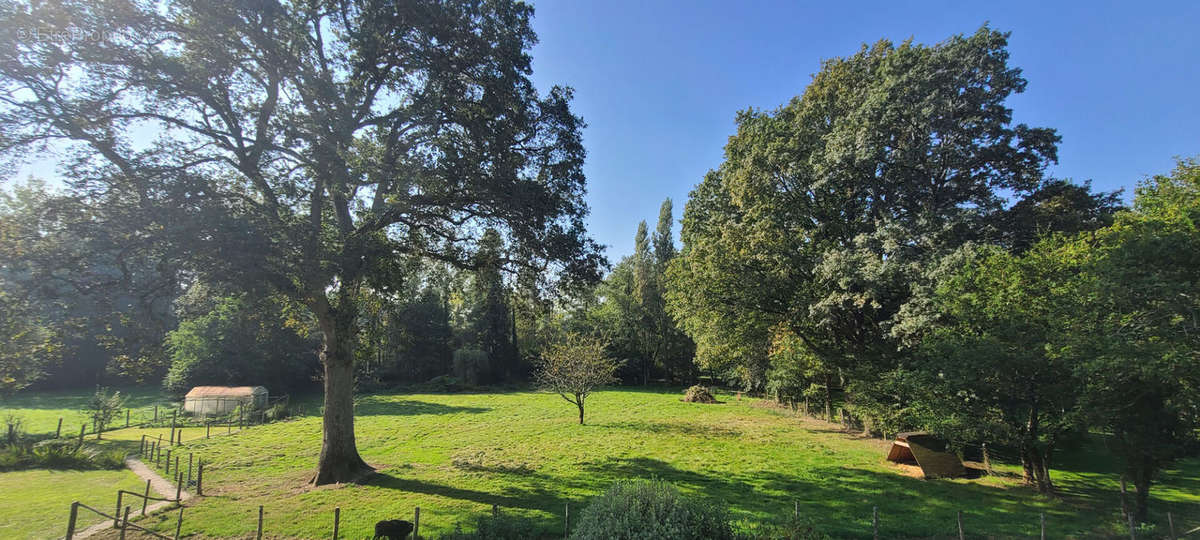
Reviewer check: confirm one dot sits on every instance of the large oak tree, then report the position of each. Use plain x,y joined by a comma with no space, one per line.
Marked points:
307,145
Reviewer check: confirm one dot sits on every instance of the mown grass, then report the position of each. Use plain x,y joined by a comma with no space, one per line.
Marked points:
457,455
37,503
39,411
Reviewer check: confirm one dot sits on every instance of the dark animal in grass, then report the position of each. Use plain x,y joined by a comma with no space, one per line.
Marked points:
393,529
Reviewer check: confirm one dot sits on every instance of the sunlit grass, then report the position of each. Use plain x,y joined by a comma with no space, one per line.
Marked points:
457,455
37,503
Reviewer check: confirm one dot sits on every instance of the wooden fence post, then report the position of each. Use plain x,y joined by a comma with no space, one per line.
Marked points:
875,522
71,520
1132,529
126,417
1124,506
1043,526
189,478
179,523
168,471
124,523
337,517
260,512
58,430
207,429
200,479
566,520
1171,525
961,536
156,414
416,522
81,430
495,511
117,514
146,497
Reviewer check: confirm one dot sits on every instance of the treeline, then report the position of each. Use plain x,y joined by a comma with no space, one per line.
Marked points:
87,305
889,242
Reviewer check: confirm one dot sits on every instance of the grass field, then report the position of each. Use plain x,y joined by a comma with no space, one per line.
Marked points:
39,411
36,503
456,455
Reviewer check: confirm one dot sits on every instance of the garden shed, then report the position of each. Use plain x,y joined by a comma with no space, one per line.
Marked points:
216,400
927,452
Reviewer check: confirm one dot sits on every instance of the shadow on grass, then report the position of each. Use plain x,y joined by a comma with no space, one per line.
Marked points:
382,406
664,428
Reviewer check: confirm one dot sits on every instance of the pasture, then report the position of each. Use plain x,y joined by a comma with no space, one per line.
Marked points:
455,455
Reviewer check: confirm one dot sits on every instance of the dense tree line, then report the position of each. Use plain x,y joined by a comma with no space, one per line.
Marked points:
889,242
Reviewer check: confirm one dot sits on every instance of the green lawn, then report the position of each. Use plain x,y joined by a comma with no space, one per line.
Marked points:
39,411
37,503
456,455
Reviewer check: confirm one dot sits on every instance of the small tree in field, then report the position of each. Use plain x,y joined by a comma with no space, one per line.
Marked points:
103,407
574,367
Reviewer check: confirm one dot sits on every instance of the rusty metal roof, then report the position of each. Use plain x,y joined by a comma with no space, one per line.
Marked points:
225,391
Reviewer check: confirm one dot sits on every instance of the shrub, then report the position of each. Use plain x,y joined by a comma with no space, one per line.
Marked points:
59,454
502,527
442,384
277,412
651,510
698,394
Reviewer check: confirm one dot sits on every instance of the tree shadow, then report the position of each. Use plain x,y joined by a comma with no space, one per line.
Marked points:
379,406
661,428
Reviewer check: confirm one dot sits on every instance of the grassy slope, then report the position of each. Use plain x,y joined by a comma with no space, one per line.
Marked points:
36,503
40,411
456,455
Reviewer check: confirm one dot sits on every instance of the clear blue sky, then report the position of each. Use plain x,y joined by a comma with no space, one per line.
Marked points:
659,82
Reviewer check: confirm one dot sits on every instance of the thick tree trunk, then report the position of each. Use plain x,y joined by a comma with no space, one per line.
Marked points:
579,403
339,461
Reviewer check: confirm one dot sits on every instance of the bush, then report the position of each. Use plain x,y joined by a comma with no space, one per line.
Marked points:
502,527
442,384
698,394
59,454
651,510
277,412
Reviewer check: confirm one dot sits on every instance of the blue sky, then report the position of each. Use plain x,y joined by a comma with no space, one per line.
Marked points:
659,82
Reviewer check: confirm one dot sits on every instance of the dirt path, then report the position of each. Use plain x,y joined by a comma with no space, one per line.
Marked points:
160,486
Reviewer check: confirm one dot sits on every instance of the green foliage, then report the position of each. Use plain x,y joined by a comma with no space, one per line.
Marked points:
650,509
28,347
826,211
240,340
471,366
59,454
103,407
793,528
575,366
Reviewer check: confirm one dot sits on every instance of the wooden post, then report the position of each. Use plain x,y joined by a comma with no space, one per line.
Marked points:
142,446
71,520
207,429
961,536
178,471
1043,526
566,520
1124,505
126,417
156,414
875,522
337,517
81,430
189,478
1132,529
178,487
168,461
416,522
495,511
796,511
117,514
146,497
987,460
200,479
260,512
179,523
58,430
124,523
1171,525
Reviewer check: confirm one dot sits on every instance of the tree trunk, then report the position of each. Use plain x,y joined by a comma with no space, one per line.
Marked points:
828,398
579,403
339,461
1141,482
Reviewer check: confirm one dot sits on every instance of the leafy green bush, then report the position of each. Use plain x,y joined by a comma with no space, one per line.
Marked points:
650,510
278,412
471,365
502,527
59,454
442,384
